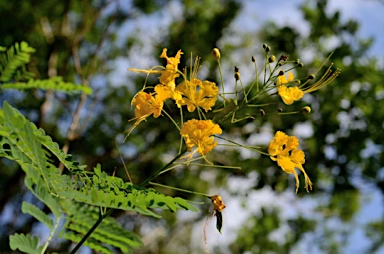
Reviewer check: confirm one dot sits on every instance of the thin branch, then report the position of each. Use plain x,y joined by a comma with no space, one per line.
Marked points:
121,158
101,217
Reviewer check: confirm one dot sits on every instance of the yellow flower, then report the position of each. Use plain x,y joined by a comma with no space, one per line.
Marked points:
169,72
218,204
198,133
283,149
288,94
196,93
145,105
291,94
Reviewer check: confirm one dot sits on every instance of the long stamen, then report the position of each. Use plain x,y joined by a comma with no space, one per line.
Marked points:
327,78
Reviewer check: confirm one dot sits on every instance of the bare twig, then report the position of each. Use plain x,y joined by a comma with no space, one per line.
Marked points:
73,129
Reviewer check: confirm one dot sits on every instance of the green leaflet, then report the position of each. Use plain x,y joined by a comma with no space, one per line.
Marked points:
82,217
25,243
41,192
90,243
37,213
13,61
184,204
55,83
14,74
129,197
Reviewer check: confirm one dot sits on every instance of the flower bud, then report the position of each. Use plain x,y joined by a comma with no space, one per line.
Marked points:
262,112
300,65
237,73
216,54
283,58
305,110
280,109
266,47
237,76
253,59
312,76
281,72
297,61
271,59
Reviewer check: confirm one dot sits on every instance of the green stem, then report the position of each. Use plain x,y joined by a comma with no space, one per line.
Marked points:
168,169
51,235
221,78
173,121
243,146
178,189
162,169
101,217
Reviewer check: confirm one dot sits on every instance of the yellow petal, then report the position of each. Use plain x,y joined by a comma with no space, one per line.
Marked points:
199,133
163,92
289,94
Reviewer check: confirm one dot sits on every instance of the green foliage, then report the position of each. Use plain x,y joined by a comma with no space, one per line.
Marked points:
37,213
13,61
375,231
14,74
22,142
25,243
41,192
55,83
26,144
82,217
103,190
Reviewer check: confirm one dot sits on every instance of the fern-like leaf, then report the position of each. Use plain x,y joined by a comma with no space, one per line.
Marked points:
30,147
109,233
25,243
106,191
41,192
12,127
37,213
13,61
54,83
97,246
26,141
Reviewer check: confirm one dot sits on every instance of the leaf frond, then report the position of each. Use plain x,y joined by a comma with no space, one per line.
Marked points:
25,243
13,61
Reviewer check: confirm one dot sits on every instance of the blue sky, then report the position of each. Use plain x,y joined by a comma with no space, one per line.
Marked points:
367,12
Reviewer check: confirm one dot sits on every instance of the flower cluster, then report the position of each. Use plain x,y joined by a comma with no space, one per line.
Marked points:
188,91
193,93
